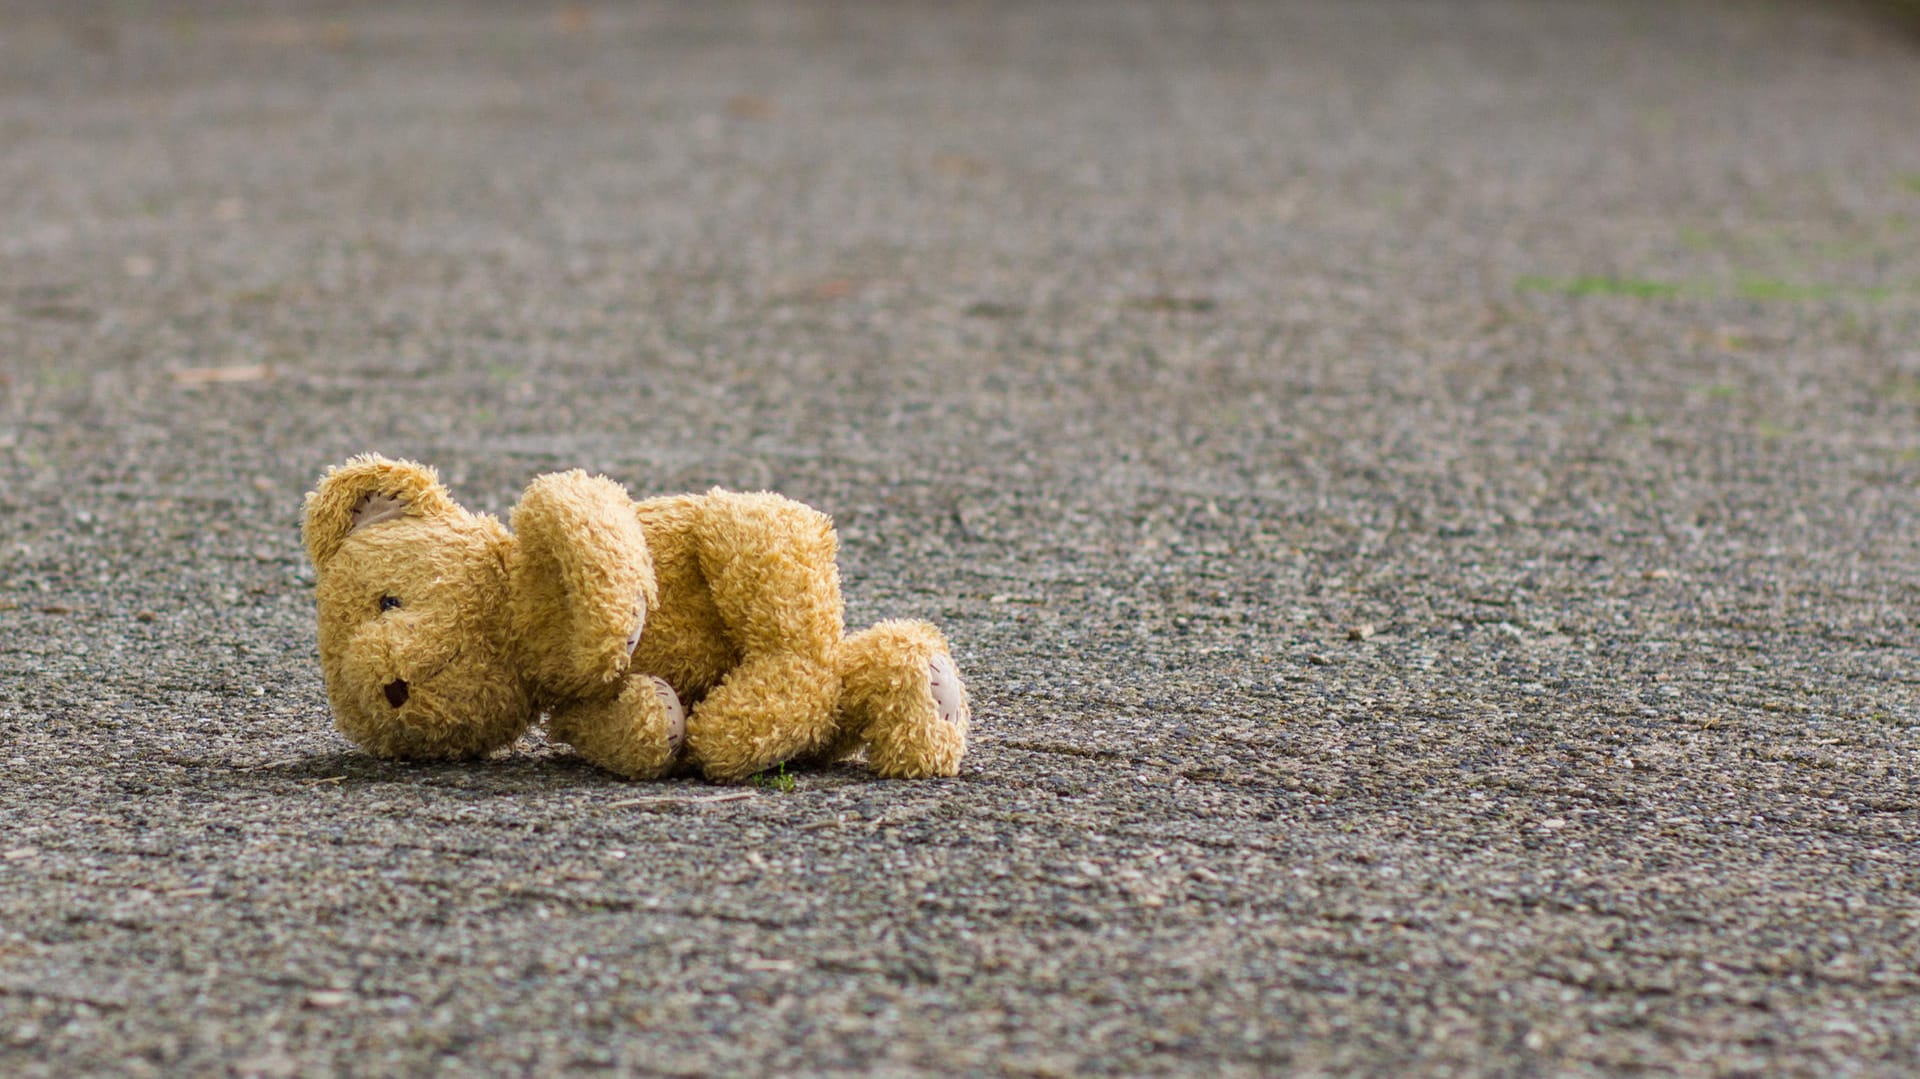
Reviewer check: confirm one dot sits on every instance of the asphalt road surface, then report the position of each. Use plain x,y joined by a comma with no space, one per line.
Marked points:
1424,494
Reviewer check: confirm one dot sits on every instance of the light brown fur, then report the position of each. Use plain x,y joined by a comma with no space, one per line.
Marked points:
443,634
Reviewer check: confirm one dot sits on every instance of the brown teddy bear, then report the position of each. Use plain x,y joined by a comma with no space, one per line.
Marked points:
444,634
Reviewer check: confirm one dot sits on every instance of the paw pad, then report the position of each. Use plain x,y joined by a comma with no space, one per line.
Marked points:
676,715
639,623
949,695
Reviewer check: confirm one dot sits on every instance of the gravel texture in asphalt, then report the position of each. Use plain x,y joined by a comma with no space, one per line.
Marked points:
1424,494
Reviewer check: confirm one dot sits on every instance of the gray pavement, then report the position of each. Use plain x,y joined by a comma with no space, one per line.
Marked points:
1425,494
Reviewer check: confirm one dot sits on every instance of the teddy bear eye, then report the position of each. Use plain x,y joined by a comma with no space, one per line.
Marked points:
388,603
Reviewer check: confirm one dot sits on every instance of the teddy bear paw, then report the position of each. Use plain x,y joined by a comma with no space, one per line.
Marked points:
676,715
639,623
949,695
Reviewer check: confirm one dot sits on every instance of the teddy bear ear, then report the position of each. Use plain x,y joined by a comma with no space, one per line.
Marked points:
363,492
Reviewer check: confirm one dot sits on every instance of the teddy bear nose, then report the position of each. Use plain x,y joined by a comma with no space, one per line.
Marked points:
396,692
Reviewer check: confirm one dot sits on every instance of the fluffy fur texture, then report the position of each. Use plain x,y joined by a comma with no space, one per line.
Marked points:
444,634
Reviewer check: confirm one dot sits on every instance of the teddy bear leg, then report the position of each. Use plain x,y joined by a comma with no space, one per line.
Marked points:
769,570
903,694
768,710
636,734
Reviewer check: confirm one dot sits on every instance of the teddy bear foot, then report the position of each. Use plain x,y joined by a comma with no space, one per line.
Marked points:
903,698
925,733
949,694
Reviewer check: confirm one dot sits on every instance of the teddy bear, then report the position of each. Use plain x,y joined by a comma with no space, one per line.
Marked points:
693,632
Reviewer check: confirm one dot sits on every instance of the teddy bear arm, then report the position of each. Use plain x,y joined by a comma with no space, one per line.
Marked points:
637,733
581,583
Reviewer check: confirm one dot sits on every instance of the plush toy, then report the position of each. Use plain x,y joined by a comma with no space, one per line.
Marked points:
444,634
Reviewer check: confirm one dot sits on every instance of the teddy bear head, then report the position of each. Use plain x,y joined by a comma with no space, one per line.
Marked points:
442,633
